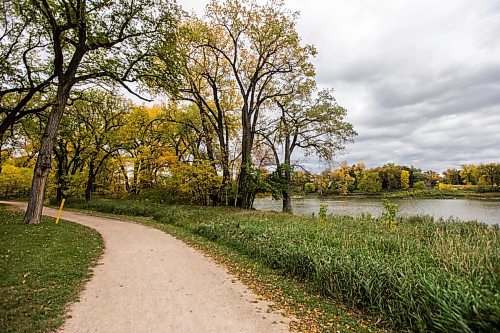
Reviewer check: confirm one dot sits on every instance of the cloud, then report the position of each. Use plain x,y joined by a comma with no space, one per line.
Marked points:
420,79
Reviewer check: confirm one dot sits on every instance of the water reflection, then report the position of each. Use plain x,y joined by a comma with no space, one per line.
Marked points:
463,209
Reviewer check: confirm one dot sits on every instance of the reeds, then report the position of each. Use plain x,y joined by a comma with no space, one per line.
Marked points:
416,274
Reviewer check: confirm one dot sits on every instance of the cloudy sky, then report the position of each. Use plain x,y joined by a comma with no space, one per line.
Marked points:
420,79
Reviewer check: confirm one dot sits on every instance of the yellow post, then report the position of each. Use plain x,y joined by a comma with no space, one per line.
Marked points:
60,211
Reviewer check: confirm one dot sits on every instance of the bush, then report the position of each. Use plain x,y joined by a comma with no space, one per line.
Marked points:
446,187
15,182
420,185
309,188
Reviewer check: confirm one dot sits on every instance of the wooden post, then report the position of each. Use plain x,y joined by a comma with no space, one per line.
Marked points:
60,211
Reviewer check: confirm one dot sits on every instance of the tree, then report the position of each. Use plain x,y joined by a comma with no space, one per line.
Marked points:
370,182
434,178
26,81
405,179
390,175
114,42
146,146
489,175
207,85
452,176
469,174
100,117
341,181
315,125
260,46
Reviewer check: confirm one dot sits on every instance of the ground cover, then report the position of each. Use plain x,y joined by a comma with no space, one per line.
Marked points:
413,273
42,269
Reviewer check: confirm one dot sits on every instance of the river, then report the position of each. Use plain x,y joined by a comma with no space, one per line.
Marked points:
463,209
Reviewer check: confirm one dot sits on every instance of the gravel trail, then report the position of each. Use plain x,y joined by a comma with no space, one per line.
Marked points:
148,281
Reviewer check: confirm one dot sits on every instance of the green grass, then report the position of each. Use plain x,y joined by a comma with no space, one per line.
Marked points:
311,311
42,269
420,274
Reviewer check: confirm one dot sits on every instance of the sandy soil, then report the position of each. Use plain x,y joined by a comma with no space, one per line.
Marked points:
148,281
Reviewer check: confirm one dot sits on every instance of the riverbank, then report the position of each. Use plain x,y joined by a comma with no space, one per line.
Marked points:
410,194
42,269
412,273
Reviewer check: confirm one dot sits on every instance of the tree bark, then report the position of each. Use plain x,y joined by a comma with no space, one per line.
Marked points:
244,196
60,178
287,196
125,176
1,146
90,182
43,162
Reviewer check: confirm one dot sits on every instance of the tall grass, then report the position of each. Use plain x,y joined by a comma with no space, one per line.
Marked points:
418,274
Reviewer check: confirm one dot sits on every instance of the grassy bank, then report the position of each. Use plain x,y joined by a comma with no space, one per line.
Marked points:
418,274
416,194
42,268
442,194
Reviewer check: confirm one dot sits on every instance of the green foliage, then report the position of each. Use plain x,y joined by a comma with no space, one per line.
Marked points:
323,210
489,176
255,182
452,176
420,185
389,213
309,188
195,183
469,174
15,182
277,181
42,269
370,182
390,175
425,275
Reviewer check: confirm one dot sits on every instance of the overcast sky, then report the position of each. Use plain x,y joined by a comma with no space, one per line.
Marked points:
420,79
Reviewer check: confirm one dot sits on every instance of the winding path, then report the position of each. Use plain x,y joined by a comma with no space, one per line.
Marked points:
148,281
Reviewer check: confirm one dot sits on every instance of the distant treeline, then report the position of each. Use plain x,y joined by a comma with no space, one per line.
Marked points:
357,178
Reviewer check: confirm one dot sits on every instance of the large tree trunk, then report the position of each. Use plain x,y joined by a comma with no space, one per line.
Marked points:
244,196
125,176
43,161
1,146
90,182
60,178
287,195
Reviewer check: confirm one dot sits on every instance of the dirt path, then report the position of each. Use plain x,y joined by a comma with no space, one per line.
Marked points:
148,281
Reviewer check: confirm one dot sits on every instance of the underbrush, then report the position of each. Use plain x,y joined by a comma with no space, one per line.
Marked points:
416,273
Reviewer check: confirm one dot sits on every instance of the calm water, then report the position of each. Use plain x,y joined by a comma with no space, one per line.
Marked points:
463,209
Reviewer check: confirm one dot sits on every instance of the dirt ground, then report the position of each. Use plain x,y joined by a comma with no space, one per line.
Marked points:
148,281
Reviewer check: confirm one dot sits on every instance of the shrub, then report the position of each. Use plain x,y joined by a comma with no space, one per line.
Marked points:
309,188
420,185
15,182
446,187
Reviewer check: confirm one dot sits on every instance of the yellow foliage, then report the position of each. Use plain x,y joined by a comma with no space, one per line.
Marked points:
405,179
15,182
446,187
